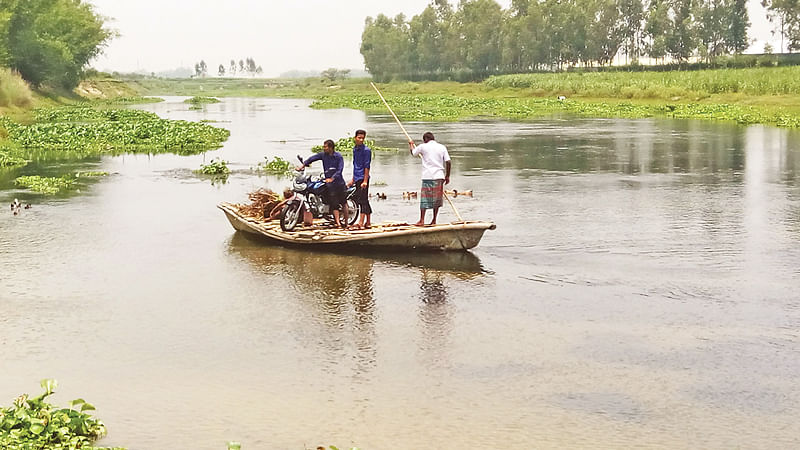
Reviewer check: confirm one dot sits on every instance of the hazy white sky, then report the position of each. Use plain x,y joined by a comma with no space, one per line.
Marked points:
158,35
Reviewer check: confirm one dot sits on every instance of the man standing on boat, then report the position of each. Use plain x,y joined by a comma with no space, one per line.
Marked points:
435,174
362,158
332,165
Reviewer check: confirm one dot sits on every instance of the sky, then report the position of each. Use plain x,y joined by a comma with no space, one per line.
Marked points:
161,35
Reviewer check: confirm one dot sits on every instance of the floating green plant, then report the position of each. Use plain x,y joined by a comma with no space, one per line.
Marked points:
275,166
346,144
46,185
33,423
215,167
201,100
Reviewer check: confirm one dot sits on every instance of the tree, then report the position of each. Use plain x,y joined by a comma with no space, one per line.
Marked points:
681,39
480,34
657,28
50,41
631,28
605,34
426,36
333,74
201,69
251,66
233,68
739,22
787,13
221,70
385,46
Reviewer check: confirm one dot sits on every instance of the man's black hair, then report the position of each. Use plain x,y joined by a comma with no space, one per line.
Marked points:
427,137
361,132
330,144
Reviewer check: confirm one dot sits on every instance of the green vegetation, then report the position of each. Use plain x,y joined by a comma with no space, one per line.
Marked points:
49,42
276,166
88,130
661,85
215,167
478,38
745,96
14,91
32,423
346,144
201,100
46,185
10,157
91,174
448,107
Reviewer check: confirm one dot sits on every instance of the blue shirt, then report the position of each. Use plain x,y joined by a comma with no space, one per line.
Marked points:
332,165
362,157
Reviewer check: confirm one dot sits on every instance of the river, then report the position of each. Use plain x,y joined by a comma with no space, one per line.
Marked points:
642,289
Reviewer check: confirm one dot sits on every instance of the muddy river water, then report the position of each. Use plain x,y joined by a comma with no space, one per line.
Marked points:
642,289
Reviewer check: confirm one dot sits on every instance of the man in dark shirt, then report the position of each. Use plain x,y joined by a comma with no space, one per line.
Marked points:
362,158
332,165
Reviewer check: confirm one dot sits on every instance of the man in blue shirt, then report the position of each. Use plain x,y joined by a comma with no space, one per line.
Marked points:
332,165
362,158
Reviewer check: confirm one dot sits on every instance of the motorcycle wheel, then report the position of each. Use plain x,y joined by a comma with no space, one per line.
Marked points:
290,216
353,210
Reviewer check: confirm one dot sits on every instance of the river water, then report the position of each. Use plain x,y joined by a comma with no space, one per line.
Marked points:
642,289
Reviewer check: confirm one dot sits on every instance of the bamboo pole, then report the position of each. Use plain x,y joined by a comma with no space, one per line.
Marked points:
411,140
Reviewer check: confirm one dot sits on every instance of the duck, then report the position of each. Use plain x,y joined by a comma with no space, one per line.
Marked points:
382,196
28,206
456,193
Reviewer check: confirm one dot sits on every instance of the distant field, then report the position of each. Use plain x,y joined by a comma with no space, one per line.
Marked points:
658,85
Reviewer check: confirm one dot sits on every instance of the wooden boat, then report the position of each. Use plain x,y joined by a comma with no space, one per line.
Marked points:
446,236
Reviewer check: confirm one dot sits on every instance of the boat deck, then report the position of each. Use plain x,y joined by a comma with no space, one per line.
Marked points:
446,236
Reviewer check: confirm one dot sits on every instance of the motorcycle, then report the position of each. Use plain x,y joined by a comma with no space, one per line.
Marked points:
310,194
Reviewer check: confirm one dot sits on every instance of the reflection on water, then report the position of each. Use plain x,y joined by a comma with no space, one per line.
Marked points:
639,268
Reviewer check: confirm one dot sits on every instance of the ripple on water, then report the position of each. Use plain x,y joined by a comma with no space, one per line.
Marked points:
613,405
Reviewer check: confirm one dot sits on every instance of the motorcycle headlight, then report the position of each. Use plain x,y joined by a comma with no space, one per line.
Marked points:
299,186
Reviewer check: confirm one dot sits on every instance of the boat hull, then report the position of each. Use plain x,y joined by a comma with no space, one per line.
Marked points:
444,237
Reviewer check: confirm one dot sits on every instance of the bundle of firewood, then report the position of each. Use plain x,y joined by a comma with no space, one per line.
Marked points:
260,201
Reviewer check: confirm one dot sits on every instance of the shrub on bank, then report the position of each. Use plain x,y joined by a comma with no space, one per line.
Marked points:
14,91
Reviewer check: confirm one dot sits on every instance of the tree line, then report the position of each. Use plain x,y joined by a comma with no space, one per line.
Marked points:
50,42
479,38
246,66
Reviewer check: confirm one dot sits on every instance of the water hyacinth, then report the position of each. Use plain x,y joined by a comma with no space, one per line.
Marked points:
46,185
449,107
276,166
95,131
32,423
346,144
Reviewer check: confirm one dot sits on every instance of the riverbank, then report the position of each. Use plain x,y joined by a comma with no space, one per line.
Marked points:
748,96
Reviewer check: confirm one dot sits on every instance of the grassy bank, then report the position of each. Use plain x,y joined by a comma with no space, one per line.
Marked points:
747,96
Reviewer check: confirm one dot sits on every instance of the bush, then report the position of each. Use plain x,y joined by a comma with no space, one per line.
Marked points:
14,91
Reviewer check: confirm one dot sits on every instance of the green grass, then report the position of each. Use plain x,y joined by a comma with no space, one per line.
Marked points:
657,85
14,91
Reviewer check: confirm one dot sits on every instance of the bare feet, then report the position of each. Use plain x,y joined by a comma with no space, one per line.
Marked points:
432,223
419,224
